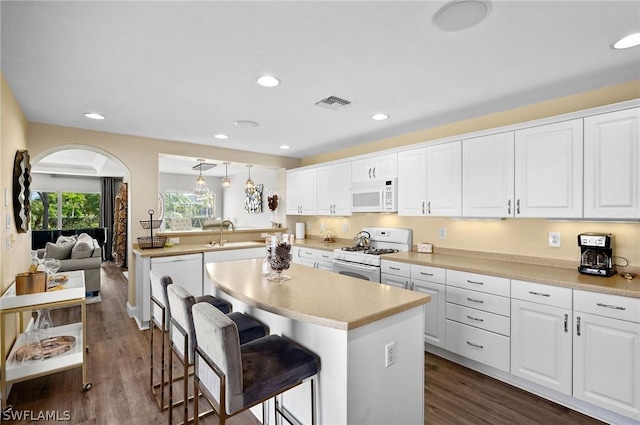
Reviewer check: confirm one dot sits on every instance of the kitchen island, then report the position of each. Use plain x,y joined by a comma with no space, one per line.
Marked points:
350,324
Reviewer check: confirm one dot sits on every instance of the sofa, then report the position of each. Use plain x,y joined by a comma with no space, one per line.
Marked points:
77,252
39,238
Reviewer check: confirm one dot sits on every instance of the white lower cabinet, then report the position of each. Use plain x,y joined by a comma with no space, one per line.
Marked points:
541,319
606,356
431,281
482,346
314,258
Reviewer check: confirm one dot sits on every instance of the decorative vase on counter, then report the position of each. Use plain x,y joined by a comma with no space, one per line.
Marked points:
279,257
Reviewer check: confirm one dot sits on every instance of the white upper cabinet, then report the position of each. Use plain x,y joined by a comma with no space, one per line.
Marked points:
548,170
612,165
412,182
444,179
376,167
429,181
488,176
301,192
334,189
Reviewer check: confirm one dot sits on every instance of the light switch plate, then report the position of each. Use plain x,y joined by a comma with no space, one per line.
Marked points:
8,221
6,197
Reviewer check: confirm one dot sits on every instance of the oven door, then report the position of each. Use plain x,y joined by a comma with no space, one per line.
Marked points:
359,271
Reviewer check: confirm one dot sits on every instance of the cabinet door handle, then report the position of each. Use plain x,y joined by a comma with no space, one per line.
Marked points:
426,274
429,207
477,319
411,286
566,322
406,284
540,294
614,307
394,268
475,282
374,172
578,326
422,207
475,301
369,172
475,345
509,207
518,206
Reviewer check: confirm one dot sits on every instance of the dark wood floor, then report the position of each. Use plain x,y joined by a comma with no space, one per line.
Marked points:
118,368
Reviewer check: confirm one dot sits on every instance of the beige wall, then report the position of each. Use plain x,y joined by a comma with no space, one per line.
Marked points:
13,137
510,236
139,156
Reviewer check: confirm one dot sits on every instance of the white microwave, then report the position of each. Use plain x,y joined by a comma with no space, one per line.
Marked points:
375,196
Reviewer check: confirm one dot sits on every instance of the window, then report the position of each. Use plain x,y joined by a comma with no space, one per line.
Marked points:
64,210
185,205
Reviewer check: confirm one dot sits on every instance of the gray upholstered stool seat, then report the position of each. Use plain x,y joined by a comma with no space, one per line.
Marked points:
160,314
183,339
247,374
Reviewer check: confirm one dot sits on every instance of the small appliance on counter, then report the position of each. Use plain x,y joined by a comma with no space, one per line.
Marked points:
596,254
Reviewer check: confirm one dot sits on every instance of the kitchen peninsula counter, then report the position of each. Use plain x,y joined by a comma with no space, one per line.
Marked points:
351,325
551,274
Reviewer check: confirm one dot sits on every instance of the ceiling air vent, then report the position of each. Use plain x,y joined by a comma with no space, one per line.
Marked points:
334,103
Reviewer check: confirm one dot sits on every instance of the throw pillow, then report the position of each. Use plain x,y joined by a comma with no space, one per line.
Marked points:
60,251
83,247
67,239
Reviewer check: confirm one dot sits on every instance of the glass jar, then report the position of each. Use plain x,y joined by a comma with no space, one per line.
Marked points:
279,256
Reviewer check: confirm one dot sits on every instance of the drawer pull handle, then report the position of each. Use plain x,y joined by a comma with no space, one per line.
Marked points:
477,319
426,274
615,307
540,294
475,282
578,326
475,345
475,301
307,252
566,322
394,268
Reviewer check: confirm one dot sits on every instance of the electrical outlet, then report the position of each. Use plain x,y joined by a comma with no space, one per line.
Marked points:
554,239
308,226
389,354
322,227
442,233
345,228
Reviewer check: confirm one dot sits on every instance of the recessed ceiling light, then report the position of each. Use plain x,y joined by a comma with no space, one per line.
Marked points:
267,81
631,40
285,147
246,123
379,117
220,136
461,15
94,115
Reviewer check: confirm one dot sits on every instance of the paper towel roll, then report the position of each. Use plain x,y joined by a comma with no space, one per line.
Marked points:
300,227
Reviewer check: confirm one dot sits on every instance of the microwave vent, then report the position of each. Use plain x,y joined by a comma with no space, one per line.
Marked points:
334,103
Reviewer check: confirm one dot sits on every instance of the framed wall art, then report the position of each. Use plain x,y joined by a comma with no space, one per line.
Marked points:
21,191
253,200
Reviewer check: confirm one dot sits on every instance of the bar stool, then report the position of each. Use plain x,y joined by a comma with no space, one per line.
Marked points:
249,374
183,340
160,320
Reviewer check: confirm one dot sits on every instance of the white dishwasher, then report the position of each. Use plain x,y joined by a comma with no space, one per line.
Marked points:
185,270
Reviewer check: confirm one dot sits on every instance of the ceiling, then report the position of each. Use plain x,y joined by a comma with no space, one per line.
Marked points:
185,71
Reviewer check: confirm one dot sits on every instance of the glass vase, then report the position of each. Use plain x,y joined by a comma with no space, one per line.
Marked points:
279,257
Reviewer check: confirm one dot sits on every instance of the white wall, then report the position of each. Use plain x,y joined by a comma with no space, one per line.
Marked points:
80,184
233,205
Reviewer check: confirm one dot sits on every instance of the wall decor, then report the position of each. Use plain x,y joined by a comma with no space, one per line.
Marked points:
21,191
253,199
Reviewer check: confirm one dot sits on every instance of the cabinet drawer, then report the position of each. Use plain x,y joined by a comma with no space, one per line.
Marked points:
479,300
429,274
479,319
541,294
307,253
324,255
614,306
479,282
479,345
395,267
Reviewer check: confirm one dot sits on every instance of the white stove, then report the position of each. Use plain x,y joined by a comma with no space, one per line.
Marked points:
364,262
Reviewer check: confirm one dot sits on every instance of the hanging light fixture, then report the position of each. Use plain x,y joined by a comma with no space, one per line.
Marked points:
201,190
226,181
249,185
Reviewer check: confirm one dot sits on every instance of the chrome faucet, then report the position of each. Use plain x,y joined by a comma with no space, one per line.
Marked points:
233,229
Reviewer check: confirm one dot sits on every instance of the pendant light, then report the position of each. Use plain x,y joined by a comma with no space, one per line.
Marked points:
226,181
249,185
201,190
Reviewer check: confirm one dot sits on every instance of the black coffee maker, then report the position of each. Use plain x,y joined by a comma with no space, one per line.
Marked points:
596,254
